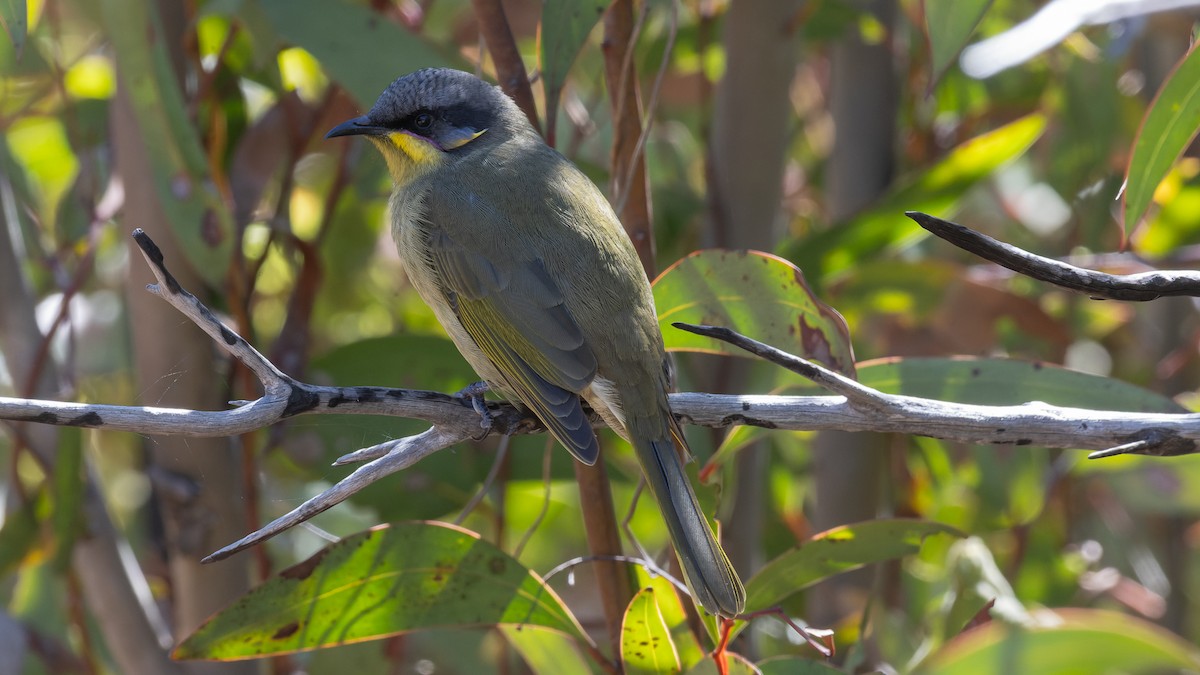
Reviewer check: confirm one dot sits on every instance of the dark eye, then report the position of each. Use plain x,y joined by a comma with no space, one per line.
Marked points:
423,121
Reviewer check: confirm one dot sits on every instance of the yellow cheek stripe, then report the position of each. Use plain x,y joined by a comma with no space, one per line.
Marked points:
422,153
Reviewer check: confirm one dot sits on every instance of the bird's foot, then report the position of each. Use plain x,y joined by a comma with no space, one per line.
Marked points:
474,393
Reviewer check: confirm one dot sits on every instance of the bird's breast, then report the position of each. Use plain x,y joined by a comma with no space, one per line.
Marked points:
409,230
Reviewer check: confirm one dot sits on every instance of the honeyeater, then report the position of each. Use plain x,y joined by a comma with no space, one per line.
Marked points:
528,269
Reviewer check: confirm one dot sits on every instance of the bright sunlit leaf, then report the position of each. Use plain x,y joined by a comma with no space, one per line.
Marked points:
938,189
1168,127
92,76
40,145
646,645
385,581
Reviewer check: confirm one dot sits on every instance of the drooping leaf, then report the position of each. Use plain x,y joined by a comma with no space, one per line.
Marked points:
736,664
178,167
1169,126
68,494
359,49
675,617
936,190
564,28
19,533
794,665
835,551
546,651
14,19
384,581
948,25
1008,382
757,294
1064,642
646,644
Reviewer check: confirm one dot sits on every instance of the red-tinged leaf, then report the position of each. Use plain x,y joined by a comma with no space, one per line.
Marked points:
756,294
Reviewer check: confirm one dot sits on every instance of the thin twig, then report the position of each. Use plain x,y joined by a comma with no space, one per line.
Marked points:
854,408
493,26
1099,285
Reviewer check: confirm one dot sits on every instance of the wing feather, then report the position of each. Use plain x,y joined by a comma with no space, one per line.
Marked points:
517,317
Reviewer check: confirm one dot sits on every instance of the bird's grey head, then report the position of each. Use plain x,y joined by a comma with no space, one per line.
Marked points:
448,107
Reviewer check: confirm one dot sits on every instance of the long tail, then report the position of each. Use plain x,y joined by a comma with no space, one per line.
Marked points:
706,568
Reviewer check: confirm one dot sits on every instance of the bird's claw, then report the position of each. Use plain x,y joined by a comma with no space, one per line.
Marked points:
474,393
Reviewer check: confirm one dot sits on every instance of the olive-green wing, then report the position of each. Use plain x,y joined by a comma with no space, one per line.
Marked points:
516,315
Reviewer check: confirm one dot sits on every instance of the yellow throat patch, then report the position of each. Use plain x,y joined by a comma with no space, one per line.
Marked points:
407,156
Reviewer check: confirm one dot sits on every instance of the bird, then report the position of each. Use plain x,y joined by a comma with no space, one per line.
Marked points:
526,266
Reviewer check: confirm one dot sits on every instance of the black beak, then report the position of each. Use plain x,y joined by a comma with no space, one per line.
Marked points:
359,126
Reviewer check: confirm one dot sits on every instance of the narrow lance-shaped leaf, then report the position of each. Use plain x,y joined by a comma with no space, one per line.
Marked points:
198,218
1168,127
949,24
385,581
935,190
835,551
14,20
564,28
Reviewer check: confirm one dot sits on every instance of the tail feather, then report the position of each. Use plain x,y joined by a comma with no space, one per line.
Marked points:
706,568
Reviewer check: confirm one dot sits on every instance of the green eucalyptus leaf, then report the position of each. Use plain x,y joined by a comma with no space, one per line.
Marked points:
948,25
178,167
835,551
646,644
384,581
1169,126
359,49
938,189
1064,642
14,19
565,27
756,294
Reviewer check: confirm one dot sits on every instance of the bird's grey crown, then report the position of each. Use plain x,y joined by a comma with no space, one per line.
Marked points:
441,90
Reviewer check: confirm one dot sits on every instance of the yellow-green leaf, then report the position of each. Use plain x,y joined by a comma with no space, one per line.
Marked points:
1168,127
546,651
178,167
646,645
757,294
835,551
1065,642
381,582
936,190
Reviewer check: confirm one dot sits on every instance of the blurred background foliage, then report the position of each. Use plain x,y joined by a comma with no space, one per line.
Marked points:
223,105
